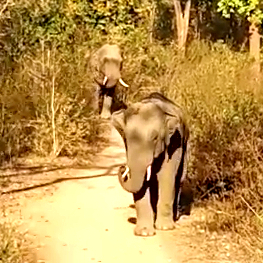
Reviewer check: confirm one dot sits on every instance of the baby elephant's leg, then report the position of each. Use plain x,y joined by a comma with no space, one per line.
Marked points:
144,211
166,192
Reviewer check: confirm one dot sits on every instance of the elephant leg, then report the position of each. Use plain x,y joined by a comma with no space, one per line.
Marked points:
144,212
100,99
106,112
182,170
167,191
107,102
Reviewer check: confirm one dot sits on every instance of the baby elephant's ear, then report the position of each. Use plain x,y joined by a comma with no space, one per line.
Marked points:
117,120
172,124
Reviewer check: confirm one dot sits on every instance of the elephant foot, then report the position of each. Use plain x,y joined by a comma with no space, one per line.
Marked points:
144,231
164,224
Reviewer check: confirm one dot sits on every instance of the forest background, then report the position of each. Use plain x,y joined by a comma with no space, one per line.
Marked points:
205,55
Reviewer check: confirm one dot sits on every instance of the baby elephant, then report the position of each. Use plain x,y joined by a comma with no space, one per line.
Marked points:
155,134
106,64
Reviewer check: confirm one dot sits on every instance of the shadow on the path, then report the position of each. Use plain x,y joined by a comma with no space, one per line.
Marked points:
108,172
27,170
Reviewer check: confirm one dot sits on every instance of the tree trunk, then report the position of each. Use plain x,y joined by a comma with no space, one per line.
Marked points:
152,20
182,23
53,117
254,46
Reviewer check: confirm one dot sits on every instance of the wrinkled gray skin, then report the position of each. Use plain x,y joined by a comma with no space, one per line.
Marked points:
155,133
106,62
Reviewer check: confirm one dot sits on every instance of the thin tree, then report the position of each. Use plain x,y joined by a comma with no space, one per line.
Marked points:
182,23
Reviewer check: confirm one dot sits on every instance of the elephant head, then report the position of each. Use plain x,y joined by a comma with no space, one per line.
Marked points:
147,128
109,66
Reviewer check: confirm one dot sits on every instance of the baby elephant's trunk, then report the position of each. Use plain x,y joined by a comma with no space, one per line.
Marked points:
133,181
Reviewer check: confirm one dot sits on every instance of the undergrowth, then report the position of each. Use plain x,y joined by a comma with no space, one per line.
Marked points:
14,245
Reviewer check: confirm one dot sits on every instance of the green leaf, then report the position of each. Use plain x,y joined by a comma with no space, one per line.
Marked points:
251,9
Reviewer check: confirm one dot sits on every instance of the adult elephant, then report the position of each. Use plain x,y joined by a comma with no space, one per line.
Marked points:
106,64
155,134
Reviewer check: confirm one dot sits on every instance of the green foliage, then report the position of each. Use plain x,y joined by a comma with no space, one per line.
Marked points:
251,9
126,14
164,20
28,23
32,22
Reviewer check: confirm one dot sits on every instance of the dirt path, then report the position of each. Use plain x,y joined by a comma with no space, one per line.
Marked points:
82,215
87,217
87,220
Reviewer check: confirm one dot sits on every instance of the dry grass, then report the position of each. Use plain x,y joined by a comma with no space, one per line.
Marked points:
14,245
32,121
223,102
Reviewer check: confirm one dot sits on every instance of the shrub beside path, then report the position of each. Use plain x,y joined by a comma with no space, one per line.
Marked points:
85,219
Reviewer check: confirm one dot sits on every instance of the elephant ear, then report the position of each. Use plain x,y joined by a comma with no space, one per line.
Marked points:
173,116
174,134
159,148
117,120
172,126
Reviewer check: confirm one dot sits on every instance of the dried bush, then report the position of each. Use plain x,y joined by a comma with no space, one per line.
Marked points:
14,248
28,109
224,105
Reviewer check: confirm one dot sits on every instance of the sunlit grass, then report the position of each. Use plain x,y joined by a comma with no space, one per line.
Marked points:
15,246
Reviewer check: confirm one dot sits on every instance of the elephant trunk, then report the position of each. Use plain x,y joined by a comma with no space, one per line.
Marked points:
132,180
111,76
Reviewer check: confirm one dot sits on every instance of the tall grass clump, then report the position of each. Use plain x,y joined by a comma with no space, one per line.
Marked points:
224,104
47,106
14,248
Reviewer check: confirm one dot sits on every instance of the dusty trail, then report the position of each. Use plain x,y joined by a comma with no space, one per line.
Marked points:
87,220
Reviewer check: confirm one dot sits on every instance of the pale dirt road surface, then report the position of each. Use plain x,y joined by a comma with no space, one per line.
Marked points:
87,216
87,220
